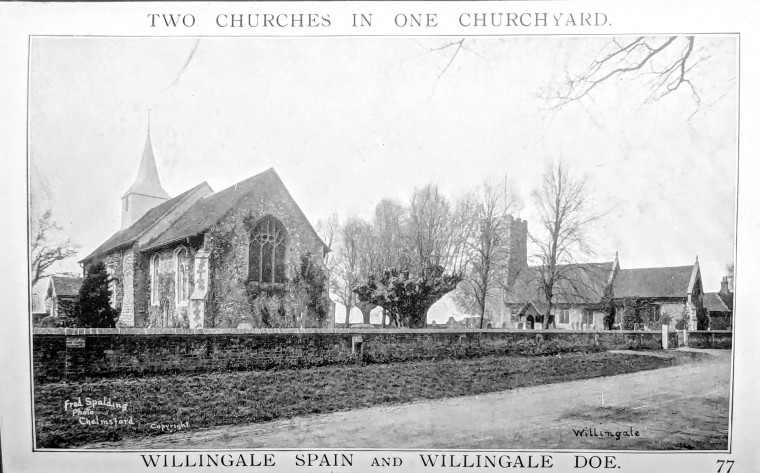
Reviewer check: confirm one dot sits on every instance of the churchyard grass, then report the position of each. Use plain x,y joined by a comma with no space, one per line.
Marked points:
160,404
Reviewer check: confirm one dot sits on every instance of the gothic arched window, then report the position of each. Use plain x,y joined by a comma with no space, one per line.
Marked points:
182,269
266,255
154,278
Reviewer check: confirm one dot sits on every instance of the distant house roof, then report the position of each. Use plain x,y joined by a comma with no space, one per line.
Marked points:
714,303
209,210
583,283
130,234
674,281
65,285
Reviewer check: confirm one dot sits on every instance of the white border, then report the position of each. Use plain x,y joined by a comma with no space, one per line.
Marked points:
20,20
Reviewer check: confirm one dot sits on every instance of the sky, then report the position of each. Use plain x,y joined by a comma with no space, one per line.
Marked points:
347,122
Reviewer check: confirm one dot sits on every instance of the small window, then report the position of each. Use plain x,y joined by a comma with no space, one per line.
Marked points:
112,282
182,267
564,316
154,280
588,317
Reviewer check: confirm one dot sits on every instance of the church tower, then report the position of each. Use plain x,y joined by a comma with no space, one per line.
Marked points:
146,192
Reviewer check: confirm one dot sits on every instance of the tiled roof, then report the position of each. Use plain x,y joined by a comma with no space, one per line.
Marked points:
653,282
580,284
209,210
713,302
130,234
66,286
541,308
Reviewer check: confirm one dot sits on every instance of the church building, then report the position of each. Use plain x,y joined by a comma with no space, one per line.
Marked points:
204,259
594,295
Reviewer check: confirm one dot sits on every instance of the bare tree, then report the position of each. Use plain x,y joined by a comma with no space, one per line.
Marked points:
348,264
369,263
328,230
46,248
461,228
389,220
388,223
426,228
487,245
435,235
564,211
434,232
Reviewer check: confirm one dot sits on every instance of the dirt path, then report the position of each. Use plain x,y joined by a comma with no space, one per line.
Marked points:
684,407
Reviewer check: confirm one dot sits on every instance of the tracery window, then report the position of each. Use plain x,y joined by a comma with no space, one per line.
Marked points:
266,255
182,269
154,280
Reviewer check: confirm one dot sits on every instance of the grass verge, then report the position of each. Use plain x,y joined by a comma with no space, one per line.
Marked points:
162,404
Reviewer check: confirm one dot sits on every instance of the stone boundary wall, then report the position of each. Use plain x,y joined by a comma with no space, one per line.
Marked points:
709,339
69,354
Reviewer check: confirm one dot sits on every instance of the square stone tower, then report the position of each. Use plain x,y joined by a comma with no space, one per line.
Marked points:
517,242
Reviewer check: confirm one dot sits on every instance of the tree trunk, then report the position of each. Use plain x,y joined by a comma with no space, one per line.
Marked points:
383,324
549,293
366,308
349,306
547,317
365,315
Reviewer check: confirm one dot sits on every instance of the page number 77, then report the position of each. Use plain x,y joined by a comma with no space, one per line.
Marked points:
725,463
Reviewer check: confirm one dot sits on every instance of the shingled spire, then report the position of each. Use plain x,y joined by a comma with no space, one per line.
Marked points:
146,192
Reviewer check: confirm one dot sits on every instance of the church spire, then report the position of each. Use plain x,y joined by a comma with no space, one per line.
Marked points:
147,182
146,192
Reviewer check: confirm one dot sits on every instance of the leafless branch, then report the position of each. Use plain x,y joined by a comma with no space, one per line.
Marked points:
46,249
668,65
457,46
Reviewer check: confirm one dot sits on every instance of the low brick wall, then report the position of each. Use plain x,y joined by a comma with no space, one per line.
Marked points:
81,353
709,339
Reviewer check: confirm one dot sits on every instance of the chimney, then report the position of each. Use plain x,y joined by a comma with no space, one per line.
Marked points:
724,291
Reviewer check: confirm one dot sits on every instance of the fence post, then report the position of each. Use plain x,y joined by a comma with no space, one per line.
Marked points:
664,337
685,338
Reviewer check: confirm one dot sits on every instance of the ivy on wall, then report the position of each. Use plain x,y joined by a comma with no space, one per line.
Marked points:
233,301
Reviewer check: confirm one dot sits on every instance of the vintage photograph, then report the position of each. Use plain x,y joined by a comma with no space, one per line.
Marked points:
465,243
